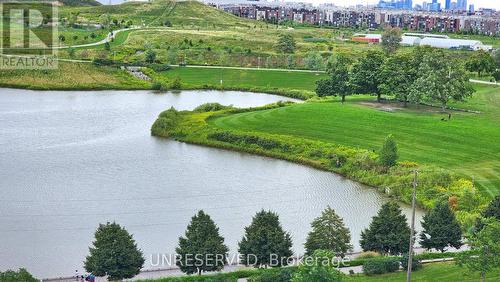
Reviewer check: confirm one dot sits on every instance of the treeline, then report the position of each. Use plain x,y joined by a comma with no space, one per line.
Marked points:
422,75
265,243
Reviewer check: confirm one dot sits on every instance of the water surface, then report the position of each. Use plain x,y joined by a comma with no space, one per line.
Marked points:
72,160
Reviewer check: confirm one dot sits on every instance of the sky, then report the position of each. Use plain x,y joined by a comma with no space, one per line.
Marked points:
477,3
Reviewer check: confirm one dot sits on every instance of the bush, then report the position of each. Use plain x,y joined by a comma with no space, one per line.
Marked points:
176,83
415,263
283,274
368,255
211,107
160,67
381,265
226,136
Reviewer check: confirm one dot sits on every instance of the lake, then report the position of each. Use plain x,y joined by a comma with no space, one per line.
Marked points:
71,160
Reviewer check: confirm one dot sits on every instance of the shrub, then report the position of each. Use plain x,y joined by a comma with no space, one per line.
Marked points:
226,136
380,265
389,153
176,83
368,255
160,67
211,107
416,264
283,274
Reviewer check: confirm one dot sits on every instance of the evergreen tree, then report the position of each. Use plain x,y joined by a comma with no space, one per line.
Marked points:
441,229
114,253
265,240
388,232
328,233
202,249
388,154
285,43
366,74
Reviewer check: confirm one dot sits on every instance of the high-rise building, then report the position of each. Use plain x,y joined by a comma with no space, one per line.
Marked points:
396,4
471,8
447,5
462,5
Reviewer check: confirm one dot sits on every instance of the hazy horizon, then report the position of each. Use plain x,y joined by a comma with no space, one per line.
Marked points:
477,3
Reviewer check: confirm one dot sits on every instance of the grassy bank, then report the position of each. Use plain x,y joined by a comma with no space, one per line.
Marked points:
71,76
251,130
432,272
429,272
467,144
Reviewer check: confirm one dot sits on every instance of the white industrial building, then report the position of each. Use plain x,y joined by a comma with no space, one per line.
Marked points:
433,40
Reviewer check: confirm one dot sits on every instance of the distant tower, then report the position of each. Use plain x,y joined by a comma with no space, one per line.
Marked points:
447,5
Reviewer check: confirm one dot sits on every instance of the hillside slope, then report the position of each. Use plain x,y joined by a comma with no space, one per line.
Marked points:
158,12
80,2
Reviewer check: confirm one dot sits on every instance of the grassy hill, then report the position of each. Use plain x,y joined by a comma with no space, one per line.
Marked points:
157,12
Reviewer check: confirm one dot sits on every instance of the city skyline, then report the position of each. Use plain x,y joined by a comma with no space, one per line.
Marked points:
477,3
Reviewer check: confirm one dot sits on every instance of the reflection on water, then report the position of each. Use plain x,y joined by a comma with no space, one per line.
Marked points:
72,160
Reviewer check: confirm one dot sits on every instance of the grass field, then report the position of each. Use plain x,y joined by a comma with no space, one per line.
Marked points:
71,76
431,272
245,78
467,144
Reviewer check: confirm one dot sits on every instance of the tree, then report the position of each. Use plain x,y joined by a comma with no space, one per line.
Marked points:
441,79
481,62
291,61
397,75
388,232
491,211
265,237
14,276
150,56
366,74
496,75
484,254
105,20
319,268
391,39
496,56
328,233
441,229
338,84
107,46
388,154
285,43
313,61
114,253
202,249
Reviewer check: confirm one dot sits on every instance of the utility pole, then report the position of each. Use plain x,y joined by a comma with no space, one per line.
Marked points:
412,231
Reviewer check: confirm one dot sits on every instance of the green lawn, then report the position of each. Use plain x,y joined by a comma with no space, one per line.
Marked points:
245,78
468,144
432,272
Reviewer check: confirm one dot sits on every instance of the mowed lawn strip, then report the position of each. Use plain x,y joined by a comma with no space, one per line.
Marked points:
468,144
448,271
245,78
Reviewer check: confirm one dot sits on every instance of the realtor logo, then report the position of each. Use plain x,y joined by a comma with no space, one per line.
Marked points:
28,35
